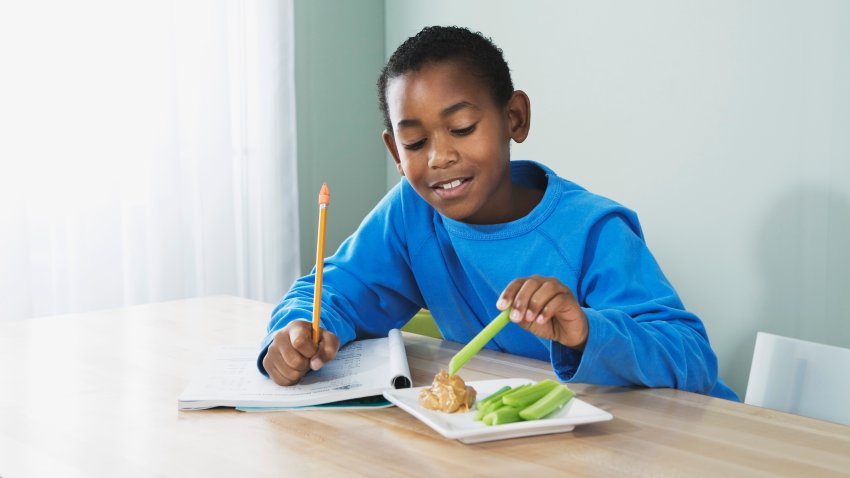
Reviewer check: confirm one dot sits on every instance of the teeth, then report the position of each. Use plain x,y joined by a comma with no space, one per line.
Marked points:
453,184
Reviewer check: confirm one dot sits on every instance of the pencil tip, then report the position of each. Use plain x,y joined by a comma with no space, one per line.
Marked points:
324,195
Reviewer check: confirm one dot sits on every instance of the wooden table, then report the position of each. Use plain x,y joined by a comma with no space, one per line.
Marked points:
96,395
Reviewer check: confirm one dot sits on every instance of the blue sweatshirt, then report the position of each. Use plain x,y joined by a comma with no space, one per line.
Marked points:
405,256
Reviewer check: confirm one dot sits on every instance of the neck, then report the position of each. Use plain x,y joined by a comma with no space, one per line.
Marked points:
523,199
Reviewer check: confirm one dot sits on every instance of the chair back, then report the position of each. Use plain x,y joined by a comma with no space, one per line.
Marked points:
800,377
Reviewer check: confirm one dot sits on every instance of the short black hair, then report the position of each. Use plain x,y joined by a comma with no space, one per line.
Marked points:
436,43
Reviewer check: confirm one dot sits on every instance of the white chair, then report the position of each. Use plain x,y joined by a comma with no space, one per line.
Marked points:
800,377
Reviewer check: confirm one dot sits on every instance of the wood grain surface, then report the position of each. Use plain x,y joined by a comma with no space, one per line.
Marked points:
95,394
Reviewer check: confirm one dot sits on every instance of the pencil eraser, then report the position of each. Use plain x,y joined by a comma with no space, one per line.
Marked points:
324,195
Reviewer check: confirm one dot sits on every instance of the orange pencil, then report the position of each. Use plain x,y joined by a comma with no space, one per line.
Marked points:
324,200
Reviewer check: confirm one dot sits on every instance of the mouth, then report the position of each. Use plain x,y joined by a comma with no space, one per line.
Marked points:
450,184
452,188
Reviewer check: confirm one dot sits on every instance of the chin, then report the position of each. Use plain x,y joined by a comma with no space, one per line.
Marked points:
459,213
461,216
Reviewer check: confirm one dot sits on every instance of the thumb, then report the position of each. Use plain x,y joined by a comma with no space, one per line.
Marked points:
328,346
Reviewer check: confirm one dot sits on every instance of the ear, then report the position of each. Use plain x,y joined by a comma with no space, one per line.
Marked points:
519,116
389,142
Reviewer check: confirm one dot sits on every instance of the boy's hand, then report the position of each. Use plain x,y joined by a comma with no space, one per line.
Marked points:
547,308
292,352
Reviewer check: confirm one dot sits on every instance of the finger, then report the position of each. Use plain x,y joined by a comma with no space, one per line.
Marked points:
558,303
277,369
273,358
290,376
271,369
568,320
507,296
328,346
301,338
293,359
523,297
542,296
566,307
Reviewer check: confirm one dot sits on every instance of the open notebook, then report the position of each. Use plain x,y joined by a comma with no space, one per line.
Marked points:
356,378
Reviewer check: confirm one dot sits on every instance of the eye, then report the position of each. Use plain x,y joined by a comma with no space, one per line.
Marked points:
415,146
465,131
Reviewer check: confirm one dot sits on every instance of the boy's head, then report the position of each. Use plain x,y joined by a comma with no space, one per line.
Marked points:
478,55
451,112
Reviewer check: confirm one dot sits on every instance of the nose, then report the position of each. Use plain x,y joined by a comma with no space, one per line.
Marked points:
443,153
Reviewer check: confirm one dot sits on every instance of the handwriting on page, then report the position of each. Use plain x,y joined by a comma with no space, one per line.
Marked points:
364,368
233,375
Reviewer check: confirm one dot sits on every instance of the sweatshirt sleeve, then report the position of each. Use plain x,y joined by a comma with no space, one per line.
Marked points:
639,330
368,286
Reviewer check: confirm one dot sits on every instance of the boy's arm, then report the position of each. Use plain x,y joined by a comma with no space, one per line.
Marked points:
639,330
368,286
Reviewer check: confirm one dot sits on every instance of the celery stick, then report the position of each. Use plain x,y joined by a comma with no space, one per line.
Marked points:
483,410
488,419
530,395
494,401
551,402
502,415
511,392
497,395
479,341
524,389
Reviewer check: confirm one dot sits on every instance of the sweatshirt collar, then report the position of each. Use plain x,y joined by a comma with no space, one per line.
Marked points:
527,173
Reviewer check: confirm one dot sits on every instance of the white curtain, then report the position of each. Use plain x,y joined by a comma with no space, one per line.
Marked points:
147,152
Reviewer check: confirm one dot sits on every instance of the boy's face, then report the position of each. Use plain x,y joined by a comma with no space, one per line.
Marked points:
452,141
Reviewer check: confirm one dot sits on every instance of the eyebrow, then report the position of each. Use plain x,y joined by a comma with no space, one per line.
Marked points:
446,112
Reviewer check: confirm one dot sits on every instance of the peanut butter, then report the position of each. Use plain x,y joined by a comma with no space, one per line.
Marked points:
447,394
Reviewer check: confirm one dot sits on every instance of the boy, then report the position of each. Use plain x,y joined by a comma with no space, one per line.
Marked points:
468,232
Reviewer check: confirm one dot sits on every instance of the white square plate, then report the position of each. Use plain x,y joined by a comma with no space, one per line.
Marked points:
461,426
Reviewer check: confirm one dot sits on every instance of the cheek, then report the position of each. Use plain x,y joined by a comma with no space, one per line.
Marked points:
485,144
480,154
424,192
412,169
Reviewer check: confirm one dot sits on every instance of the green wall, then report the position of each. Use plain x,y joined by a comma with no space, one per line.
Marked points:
720,123
724,124
339,51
